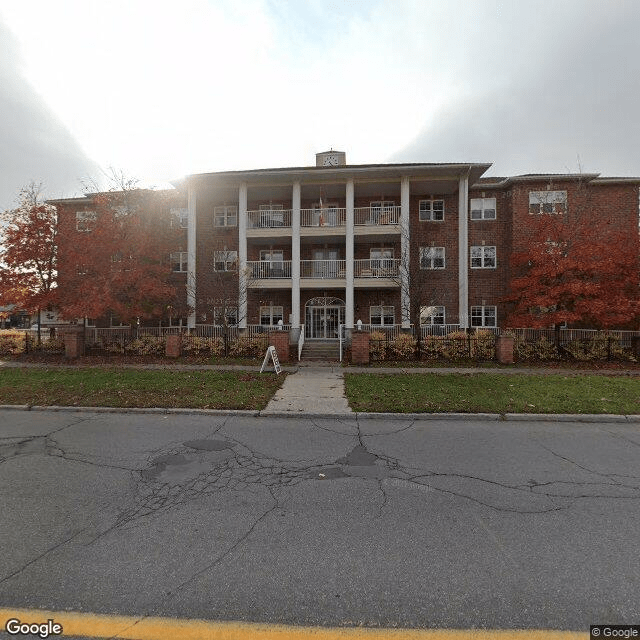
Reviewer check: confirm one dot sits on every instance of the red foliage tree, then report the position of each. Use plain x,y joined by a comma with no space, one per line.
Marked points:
114,258
578,267
28,253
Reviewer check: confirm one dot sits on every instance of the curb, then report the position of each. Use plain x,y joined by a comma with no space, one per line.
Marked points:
588,418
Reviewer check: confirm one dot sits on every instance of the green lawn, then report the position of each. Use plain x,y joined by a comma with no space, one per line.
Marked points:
517,393
97,387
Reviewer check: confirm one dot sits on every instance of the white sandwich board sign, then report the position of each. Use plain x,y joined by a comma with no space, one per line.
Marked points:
271,353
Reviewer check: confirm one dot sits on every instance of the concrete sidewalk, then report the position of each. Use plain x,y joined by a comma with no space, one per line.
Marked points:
315,390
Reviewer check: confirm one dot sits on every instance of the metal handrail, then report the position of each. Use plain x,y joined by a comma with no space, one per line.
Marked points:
300,341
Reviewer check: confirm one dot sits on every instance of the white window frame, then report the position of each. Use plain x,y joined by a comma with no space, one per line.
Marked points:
180,217
179,258
229,312
430,213
482,315
432,315
483,257
225,260
273,312
385,312
549,202
430,255
381,257
225,215
84,220
482,209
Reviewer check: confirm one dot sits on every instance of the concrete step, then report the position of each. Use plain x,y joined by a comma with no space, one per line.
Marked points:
320,351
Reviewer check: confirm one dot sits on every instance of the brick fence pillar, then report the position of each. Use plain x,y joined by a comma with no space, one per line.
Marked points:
173,346
360,347
73,343
280,340
504,349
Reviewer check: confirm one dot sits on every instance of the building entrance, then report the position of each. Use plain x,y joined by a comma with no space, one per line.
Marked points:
323,316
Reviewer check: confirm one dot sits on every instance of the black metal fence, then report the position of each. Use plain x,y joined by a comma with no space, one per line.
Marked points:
530,345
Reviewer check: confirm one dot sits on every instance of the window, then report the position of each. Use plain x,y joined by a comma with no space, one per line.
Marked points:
270,316
432,257
225,260
121,211
547,201
483,208
431,315
483,316
85,220
179,261
180,218
227,316
431,210
273,263
225,216
381,316
381,258
483,257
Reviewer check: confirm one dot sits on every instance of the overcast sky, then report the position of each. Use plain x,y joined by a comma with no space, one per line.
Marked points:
161,89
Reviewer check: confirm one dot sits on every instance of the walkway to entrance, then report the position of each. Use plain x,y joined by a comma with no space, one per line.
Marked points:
310,390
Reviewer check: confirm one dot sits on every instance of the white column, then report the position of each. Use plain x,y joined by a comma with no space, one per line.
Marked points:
463,252
405,300
191,257
295,256
349,254
242,256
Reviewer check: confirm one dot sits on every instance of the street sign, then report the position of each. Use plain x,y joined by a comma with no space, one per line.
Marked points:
271,352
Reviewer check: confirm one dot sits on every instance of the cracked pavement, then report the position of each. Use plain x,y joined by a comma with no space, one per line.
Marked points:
328,521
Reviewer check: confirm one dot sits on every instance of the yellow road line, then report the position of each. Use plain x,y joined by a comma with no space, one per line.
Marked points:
135,628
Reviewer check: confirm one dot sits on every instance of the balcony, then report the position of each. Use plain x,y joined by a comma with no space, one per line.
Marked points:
269,269
328,221
376,216
323,269
377,268
327,217
269,219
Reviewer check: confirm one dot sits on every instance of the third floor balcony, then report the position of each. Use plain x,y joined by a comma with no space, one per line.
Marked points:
324,221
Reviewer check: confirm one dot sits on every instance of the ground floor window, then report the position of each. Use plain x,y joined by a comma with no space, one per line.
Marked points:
381,316
271,315
432,315
179,261
483,316
227,316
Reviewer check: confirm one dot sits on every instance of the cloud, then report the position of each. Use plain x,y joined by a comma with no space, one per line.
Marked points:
562,95
34,145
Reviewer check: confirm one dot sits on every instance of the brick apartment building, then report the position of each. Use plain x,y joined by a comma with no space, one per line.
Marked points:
381,245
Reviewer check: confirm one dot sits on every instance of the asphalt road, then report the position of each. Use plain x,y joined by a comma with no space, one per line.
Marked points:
431,523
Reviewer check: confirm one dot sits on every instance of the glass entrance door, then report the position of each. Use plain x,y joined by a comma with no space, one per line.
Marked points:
323,318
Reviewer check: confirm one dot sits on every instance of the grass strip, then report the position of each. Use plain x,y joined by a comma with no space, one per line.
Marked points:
95,387
489,393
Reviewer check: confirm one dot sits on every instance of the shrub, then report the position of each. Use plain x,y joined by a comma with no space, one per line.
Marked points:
11,343
377,345
146,346
484,345
252,347
195,346
403,347
541,349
